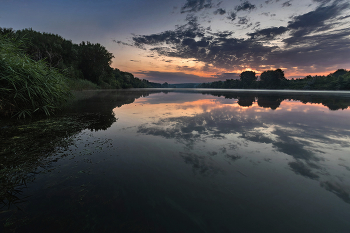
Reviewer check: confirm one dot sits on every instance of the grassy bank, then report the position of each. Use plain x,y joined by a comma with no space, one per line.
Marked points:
28,86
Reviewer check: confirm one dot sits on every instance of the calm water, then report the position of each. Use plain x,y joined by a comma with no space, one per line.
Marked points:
181,161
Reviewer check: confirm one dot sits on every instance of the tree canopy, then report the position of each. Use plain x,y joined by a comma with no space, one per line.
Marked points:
85,61
275,79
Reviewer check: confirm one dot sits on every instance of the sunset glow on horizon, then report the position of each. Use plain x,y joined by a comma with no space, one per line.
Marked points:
196,41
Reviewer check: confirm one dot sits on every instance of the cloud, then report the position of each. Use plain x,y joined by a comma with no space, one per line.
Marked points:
315,21
186,68
201,164
300,168
121,43
290,146
222,34
225,76
243,20
220,11
307,40
337,189
196,5
286,4
322,1
188,31
298,134
268,33
245,6
174,77
232,16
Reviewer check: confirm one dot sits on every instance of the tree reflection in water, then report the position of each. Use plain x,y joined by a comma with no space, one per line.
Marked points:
303,136
239,122
30,147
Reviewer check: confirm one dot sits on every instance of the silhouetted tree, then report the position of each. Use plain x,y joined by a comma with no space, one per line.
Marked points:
165,85
94,62
339,72
272,78
247,78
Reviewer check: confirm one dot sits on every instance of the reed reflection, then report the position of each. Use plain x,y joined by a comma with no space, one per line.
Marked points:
30,148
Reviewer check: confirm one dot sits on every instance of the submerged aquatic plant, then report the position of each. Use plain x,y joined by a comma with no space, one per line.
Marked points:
28,86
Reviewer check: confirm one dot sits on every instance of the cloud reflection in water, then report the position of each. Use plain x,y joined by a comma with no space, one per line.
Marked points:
310,134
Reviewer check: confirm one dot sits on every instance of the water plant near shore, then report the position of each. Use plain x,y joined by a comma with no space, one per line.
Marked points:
28,86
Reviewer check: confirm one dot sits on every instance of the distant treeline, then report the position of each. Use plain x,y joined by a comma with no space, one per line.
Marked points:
275,79
77,62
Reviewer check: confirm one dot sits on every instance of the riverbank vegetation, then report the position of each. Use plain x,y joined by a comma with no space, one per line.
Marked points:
28,86
85,65
38,70
275,79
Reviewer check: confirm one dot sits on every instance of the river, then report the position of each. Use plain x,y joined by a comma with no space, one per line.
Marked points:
180,160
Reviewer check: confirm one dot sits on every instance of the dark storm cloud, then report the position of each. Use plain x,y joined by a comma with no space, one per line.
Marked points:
302,47
220,11
196,5
245,6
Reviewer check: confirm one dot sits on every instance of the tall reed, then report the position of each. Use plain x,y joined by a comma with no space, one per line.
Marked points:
27,86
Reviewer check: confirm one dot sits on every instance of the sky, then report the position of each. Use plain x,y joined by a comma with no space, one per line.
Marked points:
198,40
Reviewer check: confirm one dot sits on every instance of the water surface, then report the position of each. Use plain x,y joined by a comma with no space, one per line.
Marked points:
181,161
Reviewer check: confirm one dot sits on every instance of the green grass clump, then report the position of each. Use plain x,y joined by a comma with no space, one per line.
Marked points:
28,86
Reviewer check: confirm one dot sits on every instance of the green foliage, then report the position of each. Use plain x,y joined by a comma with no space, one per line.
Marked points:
165,85
28,86
274,79
84,61
247,78
81,84
127,80
94,62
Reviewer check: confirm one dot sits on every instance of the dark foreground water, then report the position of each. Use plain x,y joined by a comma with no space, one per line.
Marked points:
180,161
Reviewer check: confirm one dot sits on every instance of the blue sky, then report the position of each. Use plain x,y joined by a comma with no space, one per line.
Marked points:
198,40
